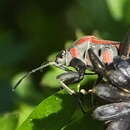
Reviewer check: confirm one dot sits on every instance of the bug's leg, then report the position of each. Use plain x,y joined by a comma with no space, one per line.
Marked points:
92,91
80,98
98,66
124,47
69,78
70,91
81,103
72,77
79,65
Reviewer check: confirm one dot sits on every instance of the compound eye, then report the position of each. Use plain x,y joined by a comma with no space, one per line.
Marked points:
60,58
61,54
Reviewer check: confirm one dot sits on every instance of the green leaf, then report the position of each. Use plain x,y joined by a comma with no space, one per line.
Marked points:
25,88
24,111
126,14
53,113
85,123
8,121
49,79
116,8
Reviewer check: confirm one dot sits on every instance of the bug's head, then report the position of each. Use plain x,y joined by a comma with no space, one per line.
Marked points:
61,58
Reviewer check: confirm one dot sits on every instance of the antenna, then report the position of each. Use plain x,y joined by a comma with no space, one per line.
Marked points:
33,71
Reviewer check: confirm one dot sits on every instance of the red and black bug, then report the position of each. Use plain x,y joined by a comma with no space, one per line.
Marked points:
111,61
77,56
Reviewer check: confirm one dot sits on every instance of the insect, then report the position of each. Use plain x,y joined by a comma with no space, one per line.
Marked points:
114,87
77,57
108,59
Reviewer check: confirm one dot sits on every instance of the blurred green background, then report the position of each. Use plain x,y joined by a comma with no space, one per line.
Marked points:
32,32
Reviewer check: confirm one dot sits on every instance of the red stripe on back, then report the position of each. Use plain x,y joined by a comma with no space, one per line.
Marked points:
85,39
93,39
105,42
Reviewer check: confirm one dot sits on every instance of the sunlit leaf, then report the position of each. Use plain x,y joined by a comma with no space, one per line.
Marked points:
8,121
52,114
25,87
49,79
24,111
116,8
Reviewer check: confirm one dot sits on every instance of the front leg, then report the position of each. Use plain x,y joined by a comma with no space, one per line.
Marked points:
79,65
69,78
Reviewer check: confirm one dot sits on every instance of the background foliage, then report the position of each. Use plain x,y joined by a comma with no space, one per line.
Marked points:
32,32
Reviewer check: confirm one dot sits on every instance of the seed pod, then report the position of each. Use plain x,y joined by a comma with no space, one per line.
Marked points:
112,111
110,93
120,124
